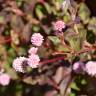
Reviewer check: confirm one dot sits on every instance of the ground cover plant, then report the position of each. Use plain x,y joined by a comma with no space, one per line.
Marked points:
47,48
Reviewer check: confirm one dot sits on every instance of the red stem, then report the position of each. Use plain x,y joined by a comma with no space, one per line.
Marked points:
53,83
5,41
85,50
52,60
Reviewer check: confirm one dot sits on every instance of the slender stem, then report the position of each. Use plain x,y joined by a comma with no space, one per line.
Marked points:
75,53
85,50
52,60
53,83
5,41
60,53
68,85
64,44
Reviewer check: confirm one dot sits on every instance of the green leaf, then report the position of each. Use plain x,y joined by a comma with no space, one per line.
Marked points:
6,66
2,49
18,89
75,43
61,48
19,2
67,18
55,40
29,80
85,56
82,31
84,13
12,73
39,12
83,82
36,28
21,51
72,94
74,86
11,52
48,8
91,38
1,19
92,25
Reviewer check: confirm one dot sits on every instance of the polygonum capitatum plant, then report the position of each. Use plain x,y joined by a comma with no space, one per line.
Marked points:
20,63
69,42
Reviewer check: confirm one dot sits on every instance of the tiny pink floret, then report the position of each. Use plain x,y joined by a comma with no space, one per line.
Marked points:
76,66
37,39
59,25
91,68
18,64
33,61
4,79
33,50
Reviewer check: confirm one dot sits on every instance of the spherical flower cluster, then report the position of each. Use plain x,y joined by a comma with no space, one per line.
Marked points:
4,79
18,64
91,68
33,60
33,50
78,67
37,39
59,25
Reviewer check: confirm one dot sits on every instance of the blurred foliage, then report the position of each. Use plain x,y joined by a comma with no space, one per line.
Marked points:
19,19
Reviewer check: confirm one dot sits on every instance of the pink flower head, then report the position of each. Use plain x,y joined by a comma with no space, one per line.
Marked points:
18,64
37,39
33,60
4,79
91,68
59,25
33,50
78,67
